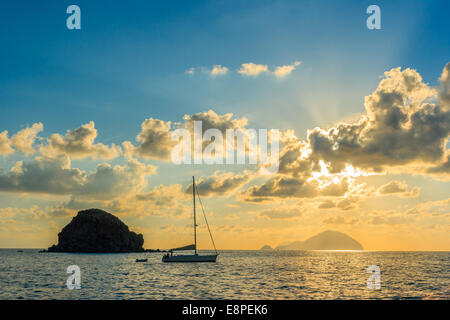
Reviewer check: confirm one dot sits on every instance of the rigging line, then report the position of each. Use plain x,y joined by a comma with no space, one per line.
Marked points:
206,220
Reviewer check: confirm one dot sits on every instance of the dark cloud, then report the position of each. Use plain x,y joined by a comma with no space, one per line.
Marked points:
113,181
54,176
401,126
405,129
220,183
444,93
398,188
292,187
43,175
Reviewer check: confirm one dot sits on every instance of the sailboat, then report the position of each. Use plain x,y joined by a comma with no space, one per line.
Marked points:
193,257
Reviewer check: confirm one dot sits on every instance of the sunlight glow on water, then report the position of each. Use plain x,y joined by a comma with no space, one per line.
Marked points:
236,275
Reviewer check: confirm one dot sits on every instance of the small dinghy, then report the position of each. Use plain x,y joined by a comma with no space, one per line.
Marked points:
141,260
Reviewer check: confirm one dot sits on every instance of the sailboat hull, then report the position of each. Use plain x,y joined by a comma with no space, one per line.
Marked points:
190,258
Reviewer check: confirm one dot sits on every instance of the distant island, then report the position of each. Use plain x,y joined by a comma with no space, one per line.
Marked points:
97,231
266,247
327,240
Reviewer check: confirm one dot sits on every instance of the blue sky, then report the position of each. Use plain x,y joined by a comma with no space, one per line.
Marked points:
131,56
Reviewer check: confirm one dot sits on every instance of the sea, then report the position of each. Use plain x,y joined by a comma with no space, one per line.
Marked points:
236,275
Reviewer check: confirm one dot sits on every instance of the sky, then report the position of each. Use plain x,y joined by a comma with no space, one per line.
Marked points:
87,117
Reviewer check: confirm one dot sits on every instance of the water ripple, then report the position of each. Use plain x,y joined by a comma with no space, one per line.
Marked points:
236,275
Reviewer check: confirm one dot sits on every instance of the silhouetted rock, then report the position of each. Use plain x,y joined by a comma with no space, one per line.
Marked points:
266,247
96,230
327,240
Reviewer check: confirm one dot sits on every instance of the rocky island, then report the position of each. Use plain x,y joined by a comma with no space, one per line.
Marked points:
97,231
327,240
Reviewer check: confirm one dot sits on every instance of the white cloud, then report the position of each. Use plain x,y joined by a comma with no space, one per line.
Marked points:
24,139
283,71
5,144
252,69
218,70
79,144
155,140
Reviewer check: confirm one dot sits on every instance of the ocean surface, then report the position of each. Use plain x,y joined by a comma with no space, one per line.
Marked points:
236,275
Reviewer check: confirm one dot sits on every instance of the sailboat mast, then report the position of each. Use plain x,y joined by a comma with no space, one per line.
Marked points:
195,220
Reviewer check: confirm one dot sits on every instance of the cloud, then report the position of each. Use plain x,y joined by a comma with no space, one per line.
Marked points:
281,213
442,170
340,220
115,181
327,204
218,70
220,183
391,220
399,117
252,69
72,206
282,71
168,200
24,139
398,188
190,71
348,203
212,120
424,210
249,69
5,144
54,176
79,144
405,129
291,187
444,94
164,195
43,175
155,140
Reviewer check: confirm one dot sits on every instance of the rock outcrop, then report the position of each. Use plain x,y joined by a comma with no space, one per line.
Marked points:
98,231
266,247
327,240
